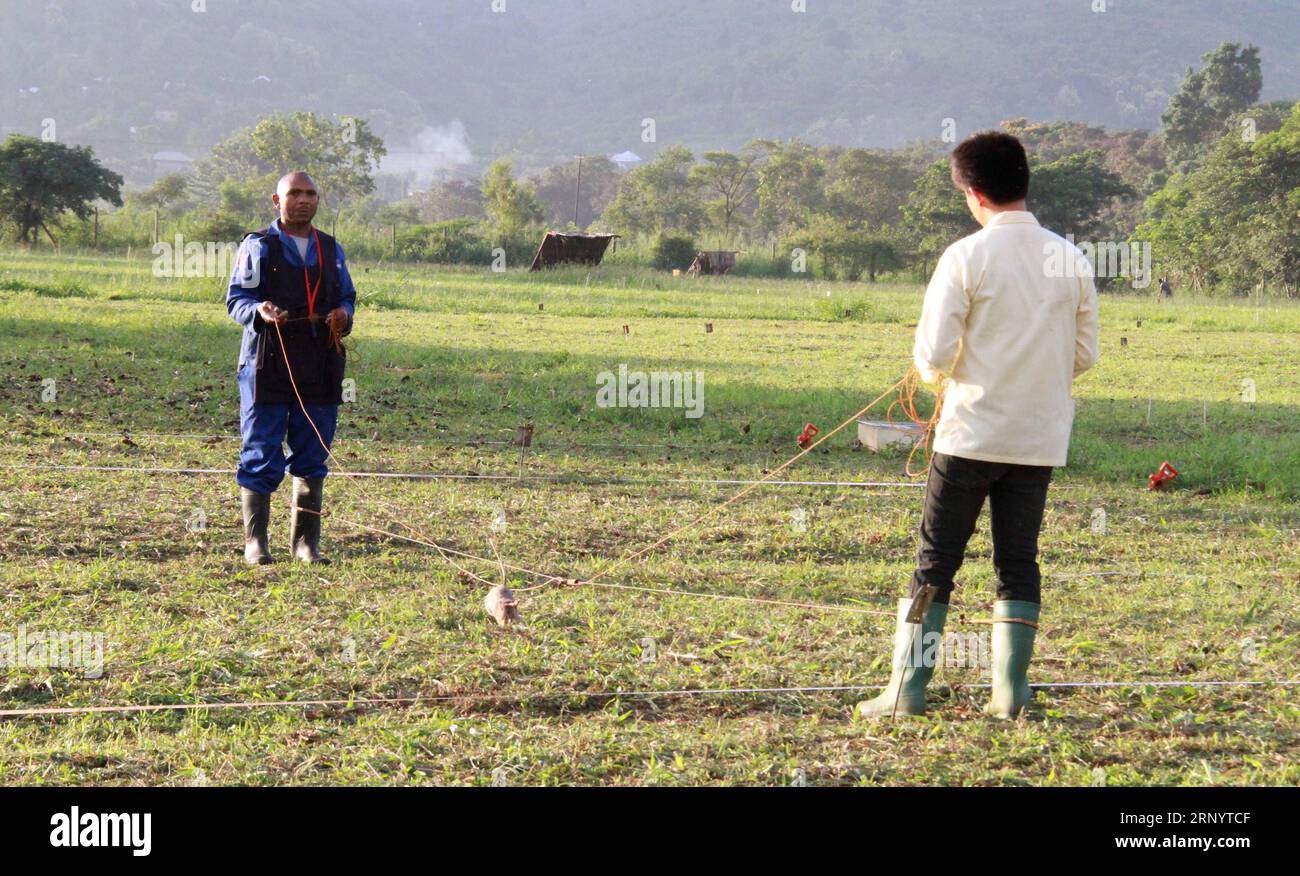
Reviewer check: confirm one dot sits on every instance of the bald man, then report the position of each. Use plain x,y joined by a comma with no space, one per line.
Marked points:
293,276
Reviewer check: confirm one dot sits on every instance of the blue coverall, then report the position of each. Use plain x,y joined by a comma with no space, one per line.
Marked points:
264,427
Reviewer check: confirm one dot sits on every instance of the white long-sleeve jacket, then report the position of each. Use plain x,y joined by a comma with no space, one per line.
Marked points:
1010,316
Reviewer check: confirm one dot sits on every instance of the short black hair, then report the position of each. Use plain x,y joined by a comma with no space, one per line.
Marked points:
994,163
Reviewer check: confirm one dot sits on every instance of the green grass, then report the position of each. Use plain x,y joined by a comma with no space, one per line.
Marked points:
1196,583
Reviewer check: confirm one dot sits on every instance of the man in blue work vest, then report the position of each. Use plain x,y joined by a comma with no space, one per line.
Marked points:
291,277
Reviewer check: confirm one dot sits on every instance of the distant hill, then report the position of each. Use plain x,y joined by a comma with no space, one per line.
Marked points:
453,84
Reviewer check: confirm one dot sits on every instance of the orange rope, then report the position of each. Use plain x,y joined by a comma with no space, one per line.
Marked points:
335,337
907,393
906,387
303,405
906,401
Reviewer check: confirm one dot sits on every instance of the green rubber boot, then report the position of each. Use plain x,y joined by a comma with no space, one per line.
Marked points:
917,649
1013,646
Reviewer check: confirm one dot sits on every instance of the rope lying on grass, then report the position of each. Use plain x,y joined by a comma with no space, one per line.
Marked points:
442,440
579,694
906,387
552,579
438,476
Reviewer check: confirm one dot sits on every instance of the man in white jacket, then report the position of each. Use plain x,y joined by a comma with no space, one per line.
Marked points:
1010,318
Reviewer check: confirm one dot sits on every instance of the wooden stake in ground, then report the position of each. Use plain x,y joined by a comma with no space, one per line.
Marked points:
523,440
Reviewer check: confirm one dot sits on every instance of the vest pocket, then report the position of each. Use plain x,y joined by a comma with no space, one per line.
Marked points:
306,362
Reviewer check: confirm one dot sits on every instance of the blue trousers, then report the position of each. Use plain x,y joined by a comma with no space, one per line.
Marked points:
265,428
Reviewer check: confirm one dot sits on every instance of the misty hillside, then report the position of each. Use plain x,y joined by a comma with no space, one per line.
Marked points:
449,85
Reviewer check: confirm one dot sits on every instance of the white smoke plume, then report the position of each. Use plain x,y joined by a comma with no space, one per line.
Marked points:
435,152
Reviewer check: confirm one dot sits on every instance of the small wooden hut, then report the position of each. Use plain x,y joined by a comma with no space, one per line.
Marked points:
717,261
564,247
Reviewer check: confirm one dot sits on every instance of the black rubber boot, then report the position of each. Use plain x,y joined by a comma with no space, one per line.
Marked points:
304,519
257,518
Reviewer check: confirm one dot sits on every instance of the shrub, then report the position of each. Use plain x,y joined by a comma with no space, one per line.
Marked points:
455,242
674,252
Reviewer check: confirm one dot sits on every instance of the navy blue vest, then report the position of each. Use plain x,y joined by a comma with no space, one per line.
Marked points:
317,366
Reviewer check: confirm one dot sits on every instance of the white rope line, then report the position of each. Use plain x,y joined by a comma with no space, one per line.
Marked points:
1267,682
575,583
407,442
437,476
1056,576
615,694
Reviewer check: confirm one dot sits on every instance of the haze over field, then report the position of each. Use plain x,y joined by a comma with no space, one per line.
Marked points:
452,85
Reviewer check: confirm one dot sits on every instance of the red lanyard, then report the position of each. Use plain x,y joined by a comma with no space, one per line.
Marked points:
320,272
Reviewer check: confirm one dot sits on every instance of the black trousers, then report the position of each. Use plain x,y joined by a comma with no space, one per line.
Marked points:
954,496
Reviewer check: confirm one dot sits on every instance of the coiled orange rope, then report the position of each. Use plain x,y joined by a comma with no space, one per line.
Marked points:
906,402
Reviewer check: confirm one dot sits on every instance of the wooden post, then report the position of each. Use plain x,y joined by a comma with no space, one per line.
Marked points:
95,238
155,224
394,240
523,440
576,189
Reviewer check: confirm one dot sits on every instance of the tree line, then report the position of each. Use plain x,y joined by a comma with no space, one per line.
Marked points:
1216,191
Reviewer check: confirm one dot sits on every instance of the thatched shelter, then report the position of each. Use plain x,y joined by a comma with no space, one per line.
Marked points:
564,247
717,261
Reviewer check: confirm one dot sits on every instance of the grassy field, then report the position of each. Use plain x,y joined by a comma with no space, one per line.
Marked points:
1197,583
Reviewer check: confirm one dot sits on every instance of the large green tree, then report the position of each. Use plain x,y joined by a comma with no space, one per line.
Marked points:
790,185
1229,82
511,205
1069,195
849,252
341,154
40,181
1137,156
853,224
867,187
731,179
935,213
450,199
1233,223
659,196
